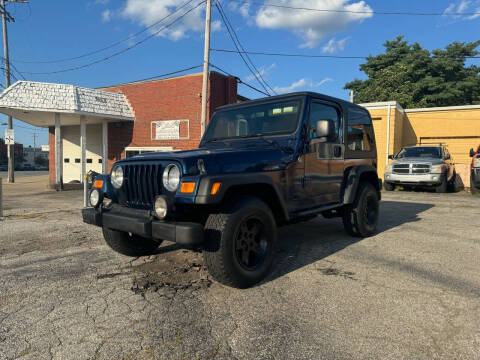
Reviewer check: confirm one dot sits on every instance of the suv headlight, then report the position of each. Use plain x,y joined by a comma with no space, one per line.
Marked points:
117,177
171,177
437,169
476,162
388,168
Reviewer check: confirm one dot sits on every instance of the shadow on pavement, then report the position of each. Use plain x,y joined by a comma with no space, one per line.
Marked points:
305,243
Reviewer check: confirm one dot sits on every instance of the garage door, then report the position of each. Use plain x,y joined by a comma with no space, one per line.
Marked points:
72,153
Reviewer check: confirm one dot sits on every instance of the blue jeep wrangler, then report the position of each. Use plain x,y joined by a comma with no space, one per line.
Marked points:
260,164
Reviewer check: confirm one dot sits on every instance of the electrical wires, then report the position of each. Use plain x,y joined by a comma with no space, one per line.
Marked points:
242,52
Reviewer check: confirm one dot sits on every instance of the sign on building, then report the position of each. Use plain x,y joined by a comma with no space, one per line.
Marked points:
9,137
170,130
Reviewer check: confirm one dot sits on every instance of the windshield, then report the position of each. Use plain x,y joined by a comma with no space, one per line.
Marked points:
257,120
424,152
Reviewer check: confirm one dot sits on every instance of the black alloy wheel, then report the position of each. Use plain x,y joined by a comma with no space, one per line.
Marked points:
251,243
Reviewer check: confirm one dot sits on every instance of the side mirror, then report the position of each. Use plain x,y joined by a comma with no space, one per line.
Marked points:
325,128
391,157
472,153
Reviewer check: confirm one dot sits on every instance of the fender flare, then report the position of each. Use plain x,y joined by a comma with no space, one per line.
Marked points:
230,180
351,181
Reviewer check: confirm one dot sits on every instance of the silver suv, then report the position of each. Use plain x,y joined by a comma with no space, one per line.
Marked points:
421,166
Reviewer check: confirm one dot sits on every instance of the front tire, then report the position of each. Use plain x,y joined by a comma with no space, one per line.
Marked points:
389,186
442,188
360,219
129,245
240,243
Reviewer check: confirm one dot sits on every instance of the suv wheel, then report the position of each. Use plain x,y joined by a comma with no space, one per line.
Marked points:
473,189
130,245
389,186
240,243
360,218
442,188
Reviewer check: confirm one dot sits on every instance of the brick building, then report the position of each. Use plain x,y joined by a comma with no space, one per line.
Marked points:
90,129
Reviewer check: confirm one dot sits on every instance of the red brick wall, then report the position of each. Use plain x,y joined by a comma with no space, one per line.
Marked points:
169,99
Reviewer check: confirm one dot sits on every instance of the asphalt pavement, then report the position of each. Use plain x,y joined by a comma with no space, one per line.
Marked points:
410,292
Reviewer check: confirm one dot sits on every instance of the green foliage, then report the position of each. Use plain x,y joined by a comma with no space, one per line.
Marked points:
416,77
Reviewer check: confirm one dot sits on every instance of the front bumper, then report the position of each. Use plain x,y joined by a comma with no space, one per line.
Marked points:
141,223
413,179
476,176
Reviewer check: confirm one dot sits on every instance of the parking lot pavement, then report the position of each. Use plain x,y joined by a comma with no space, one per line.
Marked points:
412,291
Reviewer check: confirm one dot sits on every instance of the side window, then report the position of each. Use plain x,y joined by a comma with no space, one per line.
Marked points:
319,111
360,135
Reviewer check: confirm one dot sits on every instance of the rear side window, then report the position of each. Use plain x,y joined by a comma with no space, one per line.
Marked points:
360,135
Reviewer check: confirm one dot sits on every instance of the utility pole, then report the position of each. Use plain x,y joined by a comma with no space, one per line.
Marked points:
34,147
6,62
206,63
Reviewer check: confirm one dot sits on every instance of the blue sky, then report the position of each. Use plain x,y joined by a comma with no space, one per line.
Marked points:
54,29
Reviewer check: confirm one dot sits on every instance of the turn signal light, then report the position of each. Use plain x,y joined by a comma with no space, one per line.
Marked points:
98,184
187,187
215,188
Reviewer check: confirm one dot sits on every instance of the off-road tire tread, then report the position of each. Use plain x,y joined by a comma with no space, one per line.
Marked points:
351,225
125,244
213,261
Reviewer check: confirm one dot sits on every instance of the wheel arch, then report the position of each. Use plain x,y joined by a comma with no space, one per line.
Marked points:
354,176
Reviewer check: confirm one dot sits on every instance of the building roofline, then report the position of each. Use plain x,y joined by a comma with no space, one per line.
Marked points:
382,105
155,80
444,108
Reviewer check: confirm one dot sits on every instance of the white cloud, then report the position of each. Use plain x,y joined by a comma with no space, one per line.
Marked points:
147,12
106,15
263,71
311,26
102,2
334,45
303,83
466,7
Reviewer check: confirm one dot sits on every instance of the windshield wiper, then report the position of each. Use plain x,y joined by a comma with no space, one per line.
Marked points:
271,142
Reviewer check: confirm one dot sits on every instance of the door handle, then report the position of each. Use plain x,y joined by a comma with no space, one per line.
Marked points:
337,151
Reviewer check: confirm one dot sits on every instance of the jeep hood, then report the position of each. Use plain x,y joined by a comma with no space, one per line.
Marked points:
221,160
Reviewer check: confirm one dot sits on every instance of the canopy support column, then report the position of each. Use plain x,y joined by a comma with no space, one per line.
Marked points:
58,152
104,147
83,146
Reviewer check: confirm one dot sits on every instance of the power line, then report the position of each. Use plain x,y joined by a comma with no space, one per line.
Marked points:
320,56
121,51
93,52
240,81
257,74
406,13
159,76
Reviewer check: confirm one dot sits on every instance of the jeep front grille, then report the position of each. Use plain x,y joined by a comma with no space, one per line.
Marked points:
142,184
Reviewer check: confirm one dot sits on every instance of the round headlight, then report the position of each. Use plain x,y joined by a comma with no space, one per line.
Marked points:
117,177
161,207
96,197
171,177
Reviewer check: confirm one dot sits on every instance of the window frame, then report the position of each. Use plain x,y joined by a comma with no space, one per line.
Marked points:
341,118
358,154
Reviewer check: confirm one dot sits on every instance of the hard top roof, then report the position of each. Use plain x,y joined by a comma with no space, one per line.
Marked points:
290,95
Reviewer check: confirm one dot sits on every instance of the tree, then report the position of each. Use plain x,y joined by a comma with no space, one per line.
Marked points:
416,77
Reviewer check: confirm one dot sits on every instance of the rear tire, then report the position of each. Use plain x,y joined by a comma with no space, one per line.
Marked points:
442,188
389,186
473,189
240,243
360,219
130,245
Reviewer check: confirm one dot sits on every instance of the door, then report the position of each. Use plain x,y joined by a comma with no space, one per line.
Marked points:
324,158
72,153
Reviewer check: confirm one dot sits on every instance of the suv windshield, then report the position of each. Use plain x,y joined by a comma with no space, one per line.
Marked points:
424,151
257,120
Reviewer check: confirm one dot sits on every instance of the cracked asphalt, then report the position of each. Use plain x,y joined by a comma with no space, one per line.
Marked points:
410,292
